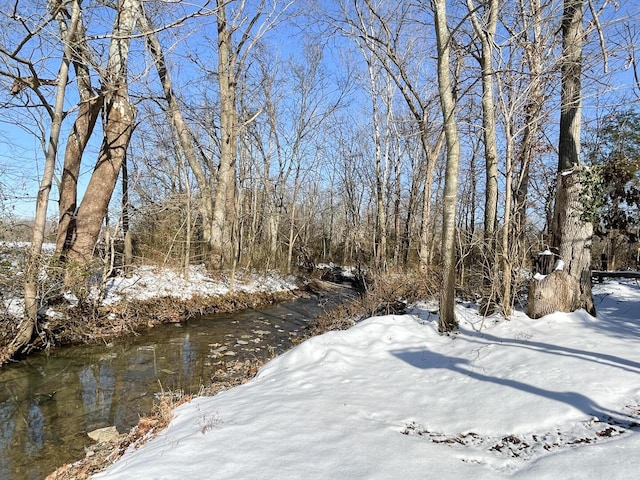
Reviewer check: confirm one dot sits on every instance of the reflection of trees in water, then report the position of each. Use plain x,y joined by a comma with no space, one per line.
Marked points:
35,430
7,425
23,427
178,362
189,357
98,384
47,403
137,377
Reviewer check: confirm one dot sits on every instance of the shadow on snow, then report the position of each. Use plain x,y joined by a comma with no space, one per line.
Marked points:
425,359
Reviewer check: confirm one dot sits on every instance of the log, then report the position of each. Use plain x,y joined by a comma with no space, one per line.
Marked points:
601,274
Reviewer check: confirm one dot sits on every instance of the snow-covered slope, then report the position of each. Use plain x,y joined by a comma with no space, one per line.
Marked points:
554,398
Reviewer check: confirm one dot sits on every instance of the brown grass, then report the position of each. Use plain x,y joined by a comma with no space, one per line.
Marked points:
385,294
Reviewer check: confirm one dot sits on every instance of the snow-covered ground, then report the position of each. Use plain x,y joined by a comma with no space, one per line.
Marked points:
557,397
147,282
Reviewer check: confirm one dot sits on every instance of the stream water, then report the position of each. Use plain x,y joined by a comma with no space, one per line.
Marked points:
49,402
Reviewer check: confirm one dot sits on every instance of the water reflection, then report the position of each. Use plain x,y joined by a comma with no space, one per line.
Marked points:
49,402
97,383
7,424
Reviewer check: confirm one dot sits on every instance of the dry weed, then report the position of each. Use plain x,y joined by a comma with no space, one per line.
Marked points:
386,294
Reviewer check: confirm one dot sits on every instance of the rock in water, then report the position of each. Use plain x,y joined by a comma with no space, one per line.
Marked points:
103,435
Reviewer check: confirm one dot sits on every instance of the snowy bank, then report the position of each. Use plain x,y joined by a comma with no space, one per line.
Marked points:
120,303
148,282
390,398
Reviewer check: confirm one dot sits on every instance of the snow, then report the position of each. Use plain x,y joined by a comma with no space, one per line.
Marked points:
391,398
47,247
148,282
13,306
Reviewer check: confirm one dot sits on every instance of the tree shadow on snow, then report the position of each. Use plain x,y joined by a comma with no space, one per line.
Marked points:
425,359
618,315
482,337
560,350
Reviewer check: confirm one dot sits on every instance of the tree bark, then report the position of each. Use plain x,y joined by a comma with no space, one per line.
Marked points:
224,198
127,260
88,112
486,33
571,234
448,319
557,292
76,144
425,249
506,250
118,125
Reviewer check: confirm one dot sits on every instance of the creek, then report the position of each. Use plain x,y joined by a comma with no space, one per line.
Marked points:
49,401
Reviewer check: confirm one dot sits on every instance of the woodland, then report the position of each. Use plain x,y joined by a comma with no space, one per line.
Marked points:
446,141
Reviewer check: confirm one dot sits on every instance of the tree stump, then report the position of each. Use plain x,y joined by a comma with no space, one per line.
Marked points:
556,292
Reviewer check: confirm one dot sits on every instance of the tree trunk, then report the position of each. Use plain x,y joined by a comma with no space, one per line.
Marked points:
448,319
506,249
292,219
556,292
127,260
380,239
224,199
486,34
88,112
571,234
34,258
425,234
533,54
76,143
118,125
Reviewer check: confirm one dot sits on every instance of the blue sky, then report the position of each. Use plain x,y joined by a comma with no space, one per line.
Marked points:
21,155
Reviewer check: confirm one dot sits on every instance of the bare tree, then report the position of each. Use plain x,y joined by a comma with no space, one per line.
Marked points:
380,90
119,117
447,320
181,130
532,39
486,33
385,30
571,232
31,297
232,57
